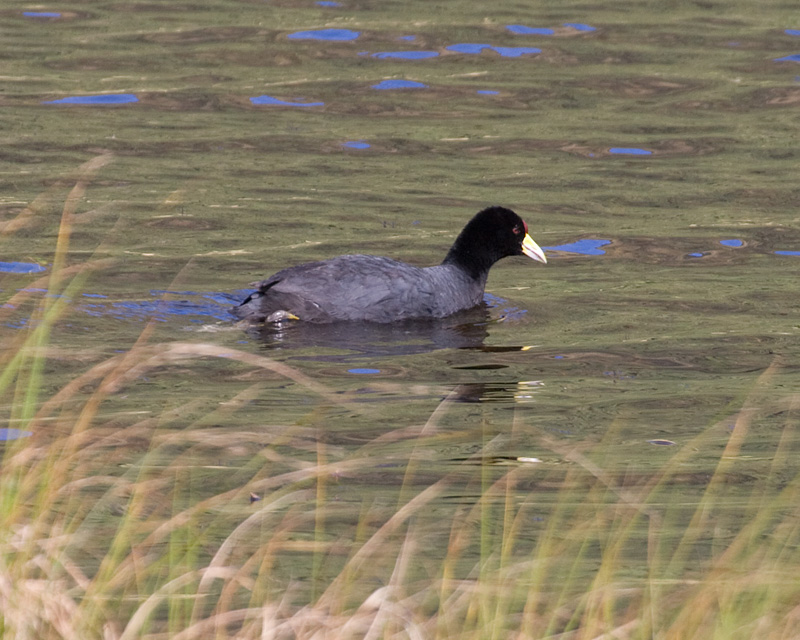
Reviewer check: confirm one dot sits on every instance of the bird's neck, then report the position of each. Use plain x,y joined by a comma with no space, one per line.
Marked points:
475,264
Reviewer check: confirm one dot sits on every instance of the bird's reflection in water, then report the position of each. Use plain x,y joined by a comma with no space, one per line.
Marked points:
360,341
467,329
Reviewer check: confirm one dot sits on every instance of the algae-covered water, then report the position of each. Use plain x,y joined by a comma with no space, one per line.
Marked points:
651,148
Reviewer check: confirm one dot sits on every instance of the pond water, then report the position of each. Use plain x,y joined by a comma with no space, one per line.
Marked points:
651,148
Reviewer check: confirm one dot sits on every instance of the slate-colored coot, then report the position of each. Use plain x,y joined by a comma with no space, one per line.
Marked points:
376,289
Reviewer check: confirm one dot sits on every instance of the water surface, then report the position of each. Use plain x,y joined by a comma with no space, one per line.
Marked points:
653,154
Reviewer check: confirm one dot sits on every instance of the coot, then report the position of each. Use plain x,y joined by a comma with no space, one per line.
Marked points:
376,289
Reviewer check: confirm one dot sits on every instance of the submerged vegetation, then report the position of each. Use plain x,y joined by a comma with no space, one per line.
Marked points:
182,523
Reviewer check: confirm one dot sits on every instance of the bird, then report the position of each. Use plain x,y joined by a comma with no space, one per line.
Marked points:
371,288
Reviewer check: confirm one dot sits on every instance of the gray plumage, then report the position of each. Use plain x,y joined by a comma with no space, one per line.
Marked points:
377,289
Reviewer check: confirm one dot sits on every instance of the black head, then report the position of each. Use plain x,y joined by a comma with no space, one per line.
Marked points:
494,233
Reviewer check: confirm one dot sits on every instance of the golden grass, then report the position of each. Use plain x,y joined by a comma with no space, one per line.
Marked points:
110,527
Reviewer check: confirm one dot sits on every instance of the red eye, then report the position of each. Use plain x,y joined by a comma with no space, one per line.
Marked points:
518,230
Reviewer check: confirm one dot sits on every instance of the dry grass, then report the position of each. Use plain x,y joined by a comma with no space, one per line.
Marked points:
110,528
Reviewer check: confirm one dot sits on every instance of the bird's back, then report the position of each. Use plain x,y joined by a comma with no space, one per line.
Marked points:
362,287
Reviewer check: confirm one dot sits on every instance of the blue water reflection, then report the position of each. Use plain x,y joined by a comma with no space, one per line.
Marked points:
406,55
516,52
41,14
356,144
795,57
487,92
787,253
630,151
325,34
732,243
399,84
578,26
523,30
13,434
269,100
364,371
501,305
586,247
468,48
21,267
197,307
506,52
106,98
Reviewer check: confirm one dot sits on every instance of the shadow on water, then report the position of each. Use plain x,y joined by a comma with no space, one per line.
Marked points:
466,329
